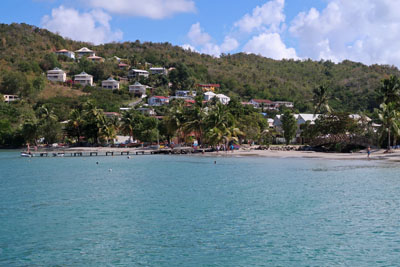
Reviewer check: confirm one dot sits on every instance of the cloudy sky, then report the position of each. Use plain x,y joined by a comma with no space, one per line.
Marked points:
366,31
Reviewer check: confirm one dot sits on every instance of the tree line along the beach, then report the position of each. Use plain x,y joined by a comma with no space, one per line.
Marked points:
26,52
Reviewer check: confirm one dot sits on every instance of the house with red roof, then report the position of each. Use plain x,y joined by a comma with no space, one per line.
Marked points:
64,52
158,101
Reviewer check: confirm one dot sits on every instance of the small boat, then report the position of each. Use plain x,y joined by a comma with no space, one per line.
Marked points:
26,154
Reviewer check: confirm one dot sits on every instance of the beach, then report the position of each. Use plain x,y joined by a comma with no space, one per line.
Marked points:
275,152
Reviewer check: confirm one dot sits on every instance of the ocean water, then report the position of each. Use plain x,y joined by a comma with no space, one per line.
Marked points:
188,211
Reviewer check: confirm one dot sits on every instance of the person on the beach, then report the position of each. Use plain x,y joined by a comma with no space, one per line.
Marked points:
369,151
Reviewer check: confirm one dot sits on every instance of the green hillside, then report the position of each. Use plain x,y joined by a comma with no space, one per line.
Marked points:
27,51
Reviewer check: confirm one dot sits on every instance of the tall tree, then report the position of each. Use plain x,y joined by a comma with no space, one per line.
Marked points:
321,100
390,119
289,126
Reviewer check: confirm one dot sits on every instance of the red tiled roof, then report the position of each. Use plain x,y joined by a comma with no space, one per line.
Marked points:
190,101
266,101
160,97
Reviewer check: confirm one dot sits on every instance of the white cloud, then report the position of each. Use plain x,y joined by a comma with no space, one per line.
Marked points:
367,31
189,47
91,27
197,36
270,45
266,17
229,44
155,9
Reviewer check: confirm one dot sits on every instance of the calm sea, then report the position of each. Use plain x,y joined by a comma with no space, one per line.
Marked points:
188,211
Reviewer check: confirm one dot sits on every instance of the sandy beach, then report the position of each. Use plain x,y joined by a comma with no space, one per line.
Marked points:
377,154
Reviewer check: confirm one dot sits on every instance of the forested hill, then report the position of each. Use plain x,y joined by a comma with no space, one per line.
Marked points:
28,50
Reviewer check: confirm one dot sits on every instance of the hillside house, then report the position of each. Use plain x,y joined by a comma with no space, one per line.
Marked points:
211,87
185,93
85,52
159,71
135,73
146,111
56,75
84,79
223,98
10,98
64,52
95,59
265,103
110,83
138,89
158,101
209,95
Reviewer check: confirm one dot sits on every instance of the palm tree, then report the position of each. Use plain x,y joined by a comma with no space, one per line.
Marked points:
75,124
321,100
175,120
390,89
195,120
390,118
95,120
127,123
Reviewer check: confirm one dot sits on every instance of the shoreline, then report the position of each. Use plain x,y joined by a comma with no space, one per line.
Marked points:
377,154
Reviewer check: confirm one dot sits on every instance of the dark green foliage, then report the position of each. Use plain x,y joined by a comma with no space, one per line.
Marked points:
289,126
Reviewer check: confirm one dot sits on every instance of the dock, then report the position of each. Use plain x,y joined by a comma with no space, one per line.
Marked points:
110,153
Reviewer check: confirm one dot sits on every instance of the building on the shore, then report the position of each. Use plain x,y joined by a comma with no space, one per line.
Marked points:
64,52
85,52
84,79
158,70
301,119
209,87
135,73
158,101
95,59
10,98
138,89
56,75
110,83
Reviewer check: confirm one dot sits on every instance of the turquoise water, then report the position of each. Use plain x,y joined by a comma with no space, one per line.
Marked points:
188,211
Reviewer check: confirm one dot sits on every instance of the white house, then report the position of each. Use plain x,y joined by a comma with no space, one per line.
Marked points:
110,83
138,89
223,98
84,79
64,52
283,103
85,52
209,95
10,98
56,75
162,71
135,73
158,101
182,93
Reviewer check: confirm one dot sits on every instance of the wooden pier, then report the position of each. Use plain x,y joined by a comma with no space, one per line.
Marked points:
111,153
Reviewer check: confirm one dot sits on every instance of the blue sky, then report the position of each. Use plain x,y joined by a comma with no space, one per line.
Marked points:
366,31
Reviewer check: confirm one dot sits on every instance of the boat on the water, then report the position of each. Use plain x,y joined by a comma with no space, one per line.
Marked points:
26,154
